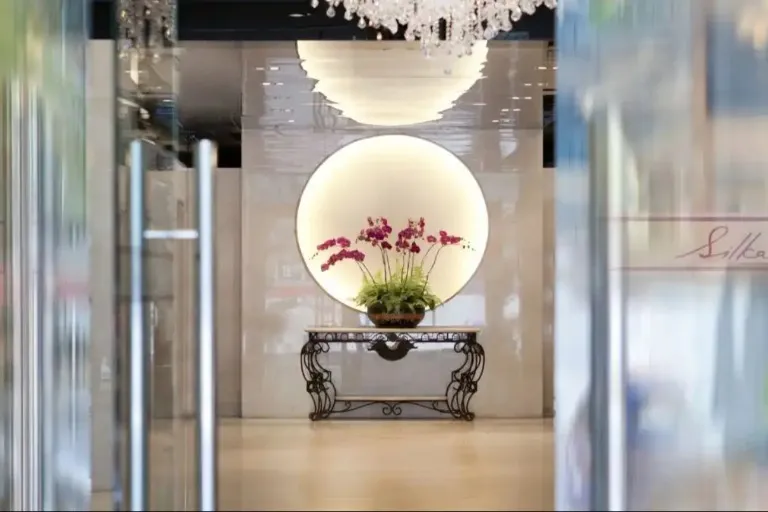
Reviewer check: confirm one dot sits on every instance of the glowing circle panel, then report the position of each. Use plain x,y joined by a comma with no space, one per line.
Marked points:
397,177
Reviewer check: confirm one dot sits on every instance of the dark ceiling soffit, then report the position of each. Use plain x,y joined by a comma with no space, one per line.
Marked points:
271,20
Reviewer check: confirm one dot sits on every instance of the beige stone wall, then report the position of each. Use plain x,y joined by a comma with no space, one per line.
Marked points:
508,297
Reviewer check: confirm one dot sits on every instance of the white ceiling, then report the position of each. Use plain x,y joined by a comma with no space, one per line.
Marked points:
262,85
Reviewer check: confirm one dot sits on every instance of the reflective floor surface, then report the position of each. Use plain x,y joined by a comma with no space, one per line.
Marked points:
374,465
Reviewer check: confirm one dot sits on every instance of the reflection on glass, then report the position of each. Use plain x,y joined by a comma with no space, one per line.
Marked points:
690,87
6,349
147,87
44,384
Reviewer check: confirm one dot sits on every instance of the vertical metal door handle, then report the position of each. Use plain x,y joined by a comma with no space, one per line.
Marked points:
138,444
207,448
154,321
608,477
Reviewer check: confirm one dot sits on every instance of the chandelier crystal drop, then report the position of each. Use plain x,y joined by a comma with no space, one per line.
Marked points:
445,26
146,25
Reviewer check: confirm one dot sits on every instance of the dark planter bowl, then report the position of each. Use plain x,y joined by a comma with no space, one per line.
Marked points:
378,315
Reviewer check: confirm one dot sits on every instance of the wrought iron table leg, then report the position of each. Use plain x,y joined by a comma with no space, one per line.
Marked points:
320,386
464,379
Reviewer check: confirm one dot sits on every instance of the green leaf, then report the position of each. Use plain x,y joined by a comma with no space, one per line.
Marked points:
401,294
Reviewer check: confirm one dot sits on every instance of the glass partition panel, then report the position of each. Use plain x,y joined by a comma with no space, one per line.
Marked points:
164,282
662,108
45,339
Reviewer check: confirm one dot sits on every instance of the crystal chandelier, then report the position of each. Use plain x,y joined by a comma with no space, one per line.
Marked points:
146,25
448,26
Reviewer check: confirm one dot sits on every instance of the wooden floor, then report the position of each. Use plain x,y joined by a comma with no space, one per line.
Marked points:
366,465
409,466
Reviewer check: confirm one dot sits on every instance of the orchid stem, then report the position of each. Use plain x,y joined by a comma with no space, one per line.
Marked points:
387,265
424,258
429,272
384,264
364,268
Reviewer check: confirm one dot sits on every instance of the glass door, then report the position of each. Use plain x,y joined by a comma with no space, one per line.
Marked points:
44,310
662,203
164,239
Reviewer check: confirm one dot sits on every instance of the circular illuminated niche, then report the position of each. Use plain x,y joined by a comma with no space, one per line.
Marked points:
389,83
397,177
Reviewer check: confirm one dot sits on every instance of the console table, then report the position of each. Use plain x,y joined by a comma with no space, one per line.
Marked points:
392,345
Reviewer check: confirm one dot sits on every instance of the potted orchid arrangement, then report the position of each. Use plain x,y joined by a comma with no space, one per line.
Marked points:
399,294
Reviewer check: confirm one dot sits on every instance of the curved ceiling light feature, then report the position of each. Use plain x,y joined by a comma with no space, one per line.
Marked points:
389,83
397,177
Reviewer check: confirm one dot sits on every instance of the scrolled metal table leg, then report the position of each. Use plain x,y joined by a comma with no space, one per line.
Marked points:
464,380
320,386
